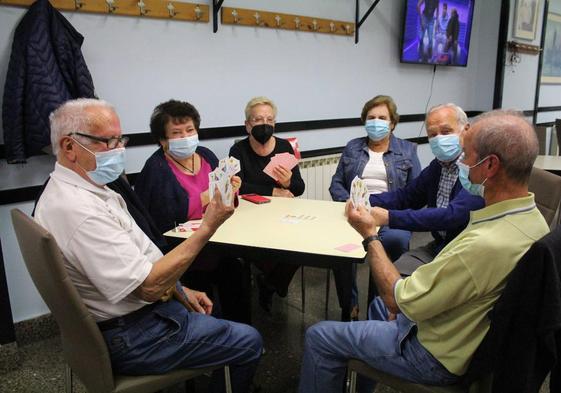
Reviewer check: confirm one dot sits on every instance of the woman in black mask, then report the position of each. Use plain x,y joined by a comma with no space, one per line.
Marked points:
254,153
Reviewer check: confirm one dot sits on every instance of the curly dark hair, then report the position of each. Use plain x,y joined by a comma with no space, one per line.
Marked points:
175,111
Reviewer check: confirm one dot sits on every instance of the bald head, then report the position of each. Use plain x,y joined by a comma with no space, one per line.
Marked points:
511,137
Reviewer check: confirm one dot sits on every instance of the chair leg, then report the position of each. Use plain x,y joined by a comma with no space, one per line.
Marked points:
67,378
327,282
303,288
352,385
227,379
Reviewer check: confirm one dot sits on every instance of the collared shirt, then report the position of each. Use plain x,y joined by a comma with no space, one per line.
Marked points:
448,177
106,255
450,297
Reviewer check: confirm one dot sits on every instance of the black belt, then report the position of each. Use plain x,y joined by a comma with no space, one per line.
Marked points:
127,319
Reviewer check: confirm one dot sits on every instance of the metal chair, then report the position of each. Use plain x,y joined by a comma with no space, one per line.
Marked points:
84,348
546,187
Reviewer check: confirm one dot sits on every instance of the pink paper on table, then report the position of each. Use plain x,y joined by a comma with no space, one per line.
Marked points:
347,247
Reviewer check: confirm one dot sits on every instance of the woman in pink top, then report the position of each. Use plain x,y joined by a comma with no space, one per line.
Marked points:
173,185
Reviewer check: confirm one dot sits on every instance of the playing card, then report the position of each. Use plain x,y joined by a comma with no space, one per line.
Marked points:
221,178
359,194
287,160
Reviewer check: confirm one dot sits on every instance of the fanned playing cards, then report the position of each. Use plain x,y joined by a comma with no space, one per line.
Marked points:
287,160
359,194
220,178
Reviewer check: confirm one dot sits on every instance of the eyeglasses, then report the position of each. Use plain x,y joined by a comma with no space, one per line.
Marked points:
111,143
263,120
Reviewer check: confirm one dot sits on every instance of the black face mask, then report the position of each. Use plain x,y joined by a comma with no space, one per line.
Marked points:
262,132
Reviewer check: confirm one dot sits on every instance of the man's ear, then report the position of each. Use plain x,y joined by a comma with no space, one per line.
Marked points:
247,127
67,148
467,126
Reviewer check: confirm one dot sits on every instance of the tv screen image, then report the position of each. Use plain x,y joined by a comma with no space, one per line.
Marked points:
437,32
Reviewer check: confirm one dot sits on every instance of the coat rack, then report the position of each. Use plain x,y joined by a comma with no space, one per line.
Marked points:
160,9
277,20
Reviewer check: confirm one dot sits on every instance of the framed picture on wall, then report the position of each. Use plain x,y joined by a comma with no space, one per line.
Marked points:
551,68
526,19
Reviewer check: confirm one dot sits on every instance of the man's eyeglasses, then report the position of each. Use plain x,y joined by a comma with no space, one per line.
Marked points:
111,143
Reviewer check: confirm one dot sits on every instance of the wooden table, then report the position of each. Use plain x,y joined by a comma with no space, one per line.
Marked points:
292,230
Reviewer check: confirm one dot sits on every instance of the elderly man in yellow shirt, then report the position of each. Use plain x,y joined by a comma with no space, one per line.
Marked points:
426,327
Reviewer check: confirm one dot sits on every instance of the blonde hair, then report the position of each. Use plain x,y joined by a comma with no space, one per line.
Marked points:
259,101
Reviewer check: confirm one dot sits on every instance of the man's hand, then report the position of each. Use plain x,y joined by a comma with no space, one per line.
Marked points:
198,301
236,183
281,192
360,220
381,216
283,175
216,212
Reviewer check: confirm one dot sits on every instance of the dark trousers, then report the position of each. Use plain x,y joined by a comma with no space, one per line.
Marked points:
277,274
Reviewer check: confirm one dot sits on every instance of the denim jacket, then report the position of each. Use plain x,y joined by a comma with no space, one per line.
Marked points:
401,161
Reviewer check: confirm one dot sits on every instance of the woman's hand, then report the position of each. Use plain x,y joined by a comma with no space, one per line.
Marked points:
281,192
283,175
236,183
205,199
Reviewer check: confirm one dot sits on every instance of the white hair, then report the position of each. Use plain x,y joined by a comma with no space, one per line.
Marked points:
72,116
461,116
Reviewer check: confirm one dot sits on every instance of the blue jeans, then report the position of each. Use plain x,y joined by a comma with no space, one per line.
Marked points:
389,346
169,337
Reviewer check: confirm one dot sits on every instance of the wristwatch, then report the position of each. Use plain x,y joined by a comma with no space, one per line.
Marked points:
369,239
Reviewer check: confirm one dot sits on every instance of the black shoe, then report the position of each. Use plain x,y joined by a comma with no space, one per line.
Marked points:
265,294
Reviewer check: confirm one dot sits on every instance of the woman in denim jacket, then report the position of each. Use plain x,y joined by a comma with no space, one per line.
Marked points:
385,163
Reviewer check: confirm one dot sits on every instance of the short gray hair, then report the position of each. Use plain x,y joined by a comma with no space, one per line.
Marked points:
507,134
72,116
461,116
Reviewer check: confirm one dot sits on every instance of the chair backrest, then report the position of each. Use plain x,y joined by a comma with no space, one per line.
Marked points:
84,348
547,190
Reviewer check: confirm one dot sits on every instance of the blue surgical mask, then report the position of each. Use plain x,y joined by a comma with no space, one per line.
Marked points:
377,129
463,175
108,165
182,148
445,148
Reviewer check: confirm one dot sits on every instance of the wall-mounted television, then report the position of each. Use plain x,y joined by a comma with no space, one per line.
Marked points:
437,32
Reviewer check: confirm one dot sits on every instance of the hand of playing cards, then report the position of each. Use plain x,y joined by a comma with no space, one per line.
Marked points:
359,194
287,160
220,178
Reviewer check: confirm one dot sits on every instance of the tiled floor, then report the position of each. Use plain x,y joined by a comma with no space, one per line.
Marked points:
42,368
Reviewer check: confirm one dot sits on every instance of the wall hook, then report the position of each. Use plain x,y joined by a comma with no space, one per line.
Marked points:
332,27
348,29
278,20
171,10
314,25
297,23
198,12
78,4
235,15
111,6
257,18
142,7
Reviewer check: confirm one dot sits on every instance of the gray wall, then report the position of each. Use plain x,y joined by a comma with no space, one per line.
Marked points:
137,63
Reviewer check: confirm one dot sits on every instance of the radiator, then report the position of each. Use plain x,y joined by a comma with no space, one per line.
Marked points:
317,173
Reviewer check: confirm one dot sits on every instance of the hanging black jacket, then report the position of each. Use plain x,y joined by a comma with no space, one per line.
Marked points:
524,341
46,69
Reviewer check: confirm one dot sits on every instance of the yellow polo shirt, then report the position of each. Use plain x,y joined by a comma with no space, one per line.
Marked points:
450,297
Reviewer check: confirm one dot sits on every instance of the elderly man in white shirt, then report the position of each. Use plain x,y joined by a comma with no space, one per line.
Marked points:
119,273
